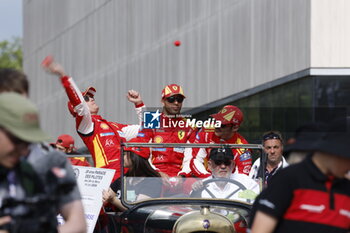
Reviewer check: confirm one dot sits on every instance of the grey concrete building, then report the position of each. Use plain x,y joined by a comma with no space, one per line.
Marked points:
253,53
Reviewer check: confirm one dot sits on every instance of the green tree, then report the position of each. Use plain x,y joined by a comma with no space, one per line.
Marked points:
11,53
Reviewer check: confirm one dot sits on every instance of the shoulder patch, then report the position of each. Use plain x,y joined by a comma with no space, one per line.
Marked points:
158,139
104,126
245,156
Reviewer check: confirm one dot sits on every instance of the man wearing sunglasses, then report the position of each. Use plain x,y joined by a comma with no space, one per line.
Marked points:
230,117
101,137
273,147
171,162
221,164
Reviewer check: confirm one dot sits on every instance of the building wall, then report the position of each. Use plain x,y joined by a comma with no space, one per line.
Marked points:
228,46
330,33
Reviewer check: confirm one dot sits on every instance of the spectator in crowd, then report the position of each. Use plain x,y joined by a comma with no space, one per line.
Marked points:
313,195
172,163
273,147
231,118
305,135
101,137
221,164
29,172
65,143
12,80
136,160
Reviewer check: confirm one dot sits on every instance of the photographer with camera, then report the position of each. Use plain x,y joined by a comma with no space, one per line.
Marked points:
35,185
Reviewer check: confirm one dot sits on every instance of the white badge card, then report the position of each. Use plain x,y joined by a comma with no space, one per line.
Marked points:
91,181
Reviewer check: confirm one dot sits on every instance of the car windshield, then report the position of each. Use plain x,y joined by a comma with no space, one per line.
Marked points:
235,187
139,189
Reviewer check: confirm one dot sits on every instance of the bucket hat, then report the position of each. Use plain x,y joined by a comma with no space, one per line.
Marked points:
336,140
305,136
20,117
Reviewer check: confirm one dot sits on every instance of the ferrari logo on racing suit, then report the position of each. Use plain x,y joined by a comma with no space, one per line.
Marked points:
181,134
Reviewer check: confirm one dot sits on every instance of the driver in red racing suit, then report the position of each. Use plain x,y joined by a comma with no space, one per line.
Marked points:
171,162
231,117
101,137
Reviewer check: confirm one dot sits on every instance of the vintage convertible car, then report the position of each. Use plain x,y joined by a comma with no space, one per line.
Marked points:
180,209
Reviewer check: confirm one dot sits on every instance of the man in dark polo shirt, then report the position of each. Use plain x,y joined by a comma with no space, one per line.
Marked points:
311,196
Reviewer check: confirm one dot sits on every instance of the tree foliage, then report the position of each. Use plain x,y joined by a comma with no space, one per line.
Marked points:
11,53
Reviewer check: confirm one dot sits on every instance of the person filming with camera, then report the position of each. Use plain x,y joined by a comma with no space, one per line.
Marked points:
35,185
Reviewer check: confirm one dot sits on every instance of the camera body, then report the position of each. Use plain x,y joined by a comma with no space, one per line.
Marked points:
31,215
37,213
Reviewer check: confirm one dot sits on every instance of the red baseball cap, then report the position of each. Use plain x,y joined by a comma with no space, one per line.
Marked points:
229,114
66,141
90,91
172,89
144,152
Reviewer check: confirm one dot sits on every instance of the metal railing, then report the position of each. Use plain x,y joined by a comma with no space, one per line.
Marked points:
189,145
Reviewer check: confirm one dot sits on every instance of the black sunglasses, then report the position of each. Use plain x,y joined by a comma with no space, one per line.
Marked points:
226,162
87,98
271,136
178,98
226,125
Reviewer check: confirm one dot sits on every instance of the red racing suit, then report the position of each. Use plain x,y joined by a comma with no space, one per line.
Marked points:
172,161
79,161
101,137
242,157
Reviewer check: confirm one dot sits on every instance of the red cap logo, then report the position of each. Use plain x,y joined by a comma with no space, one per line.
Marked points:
229,115
172,89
